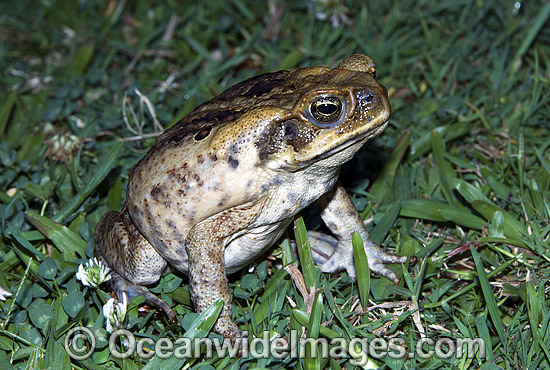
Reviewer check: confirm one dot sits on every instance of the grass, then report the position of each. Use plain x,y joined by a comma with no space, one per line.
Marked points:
460,179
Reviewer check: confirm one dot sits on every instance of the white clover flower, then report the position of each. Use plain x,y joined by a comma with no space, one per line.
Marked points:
115,313
3,294
93,273
333,10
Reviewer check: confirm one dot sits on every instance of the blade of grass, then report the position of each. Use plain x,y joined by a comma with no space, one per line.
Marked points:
81,60
535,28
500,189
483,333
198,329
313,328
56,357
471,286
337,311
303,319
490,300
24,242
444,169
442,212
542,160
384,181
537,303
362,269
386,222
512,227
106,164
310,271
5,112
63,238
448,132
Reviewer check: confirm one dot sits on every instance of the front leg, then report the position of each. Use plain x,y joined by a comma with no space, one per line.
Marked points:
341,217
205,245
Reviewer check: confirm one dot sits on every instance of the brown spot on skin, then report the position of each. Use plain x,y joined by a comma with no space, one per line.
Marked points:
200,158
233,149
178,174
199,181
158,193
213,157
268,140
223,202
149,216
233,162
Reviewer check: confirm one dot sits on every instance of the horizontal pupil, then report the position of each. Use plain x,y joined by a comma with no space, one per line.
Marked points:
326,108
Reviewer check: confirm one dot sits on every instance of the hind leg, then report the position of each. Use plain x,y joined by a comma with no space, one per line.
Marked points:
132,260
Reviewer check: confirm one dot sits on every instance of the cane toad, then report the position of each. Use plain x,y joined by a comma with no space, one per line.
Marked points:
221,186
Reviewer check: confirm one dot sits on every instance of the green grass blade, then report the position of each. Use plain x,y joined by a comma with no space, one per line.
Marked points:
106,164
437,211
63,238
310,271
484,333
542,160
24,242
490,300
385,224
449,132
534,30
512,227
81,60
537,303
5,111
198,329
56,357
444,169
313,329
384,180
500,189
303,319
362,269
469,192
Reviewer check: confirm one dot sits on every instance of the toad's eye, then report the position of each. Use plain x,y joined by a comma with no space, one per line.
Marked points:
327,111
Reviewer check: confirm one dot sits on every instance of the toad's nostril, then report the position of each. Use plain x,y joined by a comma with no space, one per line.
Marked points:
366,99
369,98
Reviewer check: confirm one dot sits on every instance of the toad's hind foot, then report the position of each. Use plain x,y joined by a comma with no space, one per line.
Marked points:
121,285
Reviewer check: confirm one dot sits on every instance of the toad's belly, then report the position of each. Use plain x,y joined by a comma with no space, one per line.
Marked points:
241,249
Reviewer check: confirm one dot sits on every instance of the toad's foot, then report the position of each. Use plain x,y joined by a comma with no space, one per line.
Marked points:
334,256
120,285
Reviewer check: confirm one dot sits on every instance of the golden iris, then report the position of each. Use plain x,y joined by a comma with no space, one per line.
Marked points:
326,109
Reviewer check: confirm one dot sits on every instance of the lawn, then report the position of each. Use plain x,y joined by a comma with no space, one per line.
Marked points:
460,178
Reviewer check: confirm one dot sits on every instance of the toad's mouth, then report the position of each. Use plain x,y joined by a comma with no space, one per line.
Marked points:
358,140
